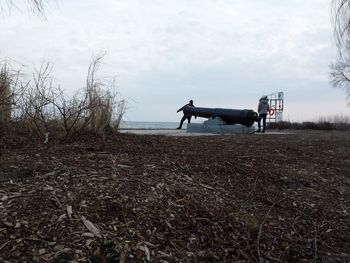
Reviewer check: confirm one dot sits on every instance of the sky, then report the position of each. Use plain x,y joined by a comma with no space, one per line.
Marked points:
220,53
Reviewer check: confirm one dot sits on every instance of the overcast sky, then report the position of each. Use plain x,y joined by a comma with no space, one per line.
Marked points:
220,53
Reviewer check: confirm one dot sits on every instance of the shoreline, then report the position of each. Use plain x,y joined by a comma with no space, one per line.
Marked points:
183,132
165,132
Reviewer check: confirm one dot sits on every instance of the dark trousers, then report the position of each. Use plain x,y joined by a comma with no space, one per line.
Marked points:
263,117
183,119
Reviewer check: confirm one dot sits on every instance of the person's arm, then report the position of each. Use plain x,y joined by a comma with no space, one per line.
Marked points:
259,107
180,109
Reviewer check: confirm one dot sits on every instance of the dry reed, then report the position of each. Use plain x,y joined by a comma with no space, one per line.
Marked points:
43,108
5,95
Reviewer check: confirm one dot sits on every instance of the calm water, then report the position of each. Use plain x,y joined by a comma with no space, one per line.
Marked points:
154,125
150,125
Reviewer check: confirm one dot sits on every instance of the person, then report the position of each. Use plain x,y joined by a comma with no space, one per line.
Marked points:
263,109
188,117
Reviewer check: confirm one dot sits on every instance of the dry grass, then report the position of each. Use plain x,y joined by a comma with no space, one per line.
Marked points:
42,107
101,100
5,95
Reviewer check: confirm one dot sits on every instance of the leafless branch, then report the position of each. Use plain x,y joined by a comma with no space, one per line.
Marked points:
44,108
34,6
340,73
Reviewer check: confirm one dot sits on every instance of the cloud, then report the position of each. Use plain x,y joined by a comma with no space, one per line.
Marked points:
224,53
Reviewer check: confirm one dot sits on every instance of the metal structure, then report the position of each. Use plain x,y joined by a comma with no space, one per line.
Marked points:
276,103
229,116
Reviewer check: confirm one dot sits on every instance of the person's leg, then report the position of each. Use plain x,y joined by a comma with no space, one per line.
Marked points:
264,122
259,123
181,122
189,119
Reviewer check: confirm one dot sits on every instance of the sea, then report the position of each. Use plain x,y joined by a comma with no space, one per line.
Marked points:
147,125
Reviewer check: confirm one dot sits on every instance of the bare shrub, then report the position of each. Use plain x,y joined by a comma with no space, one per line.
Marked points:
94,109
326,126
282,125
5,95
337,122
120,109
35,103
70,112
43,108
9,91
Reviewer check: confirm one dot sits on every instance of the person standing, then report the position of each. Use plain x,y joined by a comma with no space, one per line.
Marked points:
263,109
188,117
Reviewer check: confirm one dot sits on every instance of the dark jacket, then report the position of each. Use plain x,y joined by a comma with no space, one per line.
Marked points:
181,109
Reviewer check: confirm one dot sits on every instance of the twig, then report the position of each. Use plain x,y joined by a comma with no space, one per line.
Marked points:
123,254
207,186
46,137
55,200
35,240
4,244
315,253
261,226
69,211
254,186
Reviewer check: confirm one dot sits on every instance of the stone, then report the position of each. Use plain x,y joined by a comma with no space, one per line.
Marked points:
218,126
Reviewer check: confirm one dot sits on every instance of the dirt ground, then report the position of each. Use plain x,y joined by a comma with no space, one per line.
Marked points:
151,198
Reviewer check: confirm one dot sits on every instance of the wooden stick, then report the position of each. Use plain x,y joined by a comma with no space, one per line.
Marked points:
261,226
